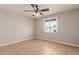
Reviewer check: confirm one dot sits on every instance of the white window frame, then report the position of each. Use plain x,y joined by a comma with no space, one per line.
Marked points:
49,19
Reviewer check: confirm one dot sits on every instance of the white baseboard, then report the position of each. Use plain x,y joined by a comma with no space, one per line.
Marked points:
58,42
13,42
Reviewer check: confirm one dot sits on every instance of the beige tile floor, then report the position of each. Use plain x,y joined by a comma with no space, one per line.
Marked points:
38,47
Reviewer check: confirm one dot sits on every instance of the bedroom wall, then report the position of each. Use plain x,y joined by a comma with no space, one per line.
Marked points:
14,27
68,27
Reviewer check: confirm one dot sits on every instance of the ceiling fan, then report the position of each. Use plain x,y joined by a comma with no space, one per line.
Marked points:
36,10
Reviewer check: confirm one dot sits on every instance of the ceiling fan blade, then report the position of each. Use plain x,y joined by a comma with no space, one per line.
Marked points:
28,11
41,13
47,9
37,7
32,5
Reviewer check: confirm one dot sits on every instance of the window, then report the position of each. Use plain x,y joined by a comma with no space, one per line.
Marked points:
50,25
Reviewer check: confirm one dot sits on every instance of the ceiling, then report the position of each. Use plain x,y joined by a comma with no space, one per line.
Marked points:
54,8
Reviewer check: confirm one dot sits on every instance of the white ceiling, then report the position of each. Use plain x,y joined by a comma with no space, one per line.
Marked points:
54,8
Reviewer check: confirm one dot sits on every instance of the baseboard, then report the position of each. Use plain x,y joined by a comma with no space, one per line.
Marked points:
13,42
58,42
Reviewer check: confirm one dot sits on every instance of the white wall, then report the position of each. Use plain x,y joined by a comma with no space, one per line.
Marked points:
68,27
14,27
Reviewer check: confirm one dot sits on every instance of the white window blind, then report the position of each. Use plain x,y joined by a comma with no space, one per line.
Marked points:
50,25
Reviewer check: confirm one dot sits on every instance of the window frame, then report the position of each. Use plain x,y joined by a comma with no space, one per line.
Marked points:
49,19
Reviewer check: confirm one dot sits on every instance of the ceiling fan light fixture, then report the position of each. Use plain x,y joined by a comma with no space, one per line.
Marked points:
34,13
37,14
